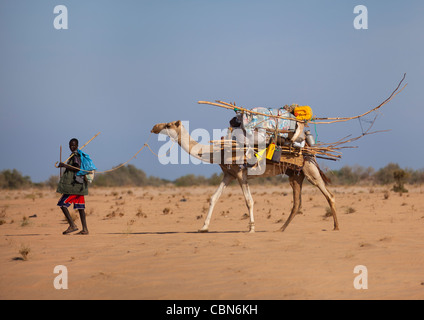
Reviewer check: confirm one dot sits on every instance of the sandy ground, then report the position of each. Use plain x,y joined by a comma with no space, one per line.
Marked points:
143,244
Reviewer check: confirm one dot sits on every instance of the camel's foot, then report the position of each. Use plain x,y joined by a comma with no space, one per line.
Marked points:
251,228
336,228
282,229
203,230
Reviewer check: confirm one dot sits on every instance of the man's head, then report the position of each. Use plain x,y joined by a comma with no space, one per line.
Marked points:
73,144
235,122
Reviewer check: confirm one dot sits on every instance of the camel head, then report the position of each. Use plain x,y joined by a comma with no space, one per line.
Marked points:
171,129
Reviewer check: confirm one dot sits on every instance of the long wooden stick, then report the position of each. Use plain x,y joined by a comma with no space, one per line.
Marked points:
341,119
83,146
233,106
60,159
89,141
78,148
236,108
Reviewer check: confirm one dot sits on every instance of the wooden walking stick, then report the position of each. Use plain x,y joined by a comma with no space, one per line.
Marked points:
60,159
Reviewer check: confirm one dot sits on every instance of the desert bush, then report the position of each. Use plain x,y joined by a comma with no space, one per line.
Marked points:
386,195
215,179
25,221
350,210
130,176
126,176
348,175
52,182
24,251
416,177
190,180
400,177
386,174
13,179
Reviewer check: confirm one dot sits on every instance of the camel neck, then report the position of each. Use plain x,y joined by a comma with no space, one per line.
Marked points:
192,147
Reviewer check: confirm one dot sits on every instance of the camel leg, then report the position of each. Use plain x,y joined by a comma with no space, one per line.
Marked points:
296,181
214,199
242,179
313,175
331,201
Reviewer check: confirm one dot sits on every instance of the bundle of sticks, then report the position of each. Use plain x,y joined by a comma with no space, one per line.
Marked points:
328,151
319,151
317,120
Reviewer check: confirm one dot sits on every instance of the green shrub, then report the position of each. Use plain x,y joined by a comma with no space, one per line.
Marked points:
13,179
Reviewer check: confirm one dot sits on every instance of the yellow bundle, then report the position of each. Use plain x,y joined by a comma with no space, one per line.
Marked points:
303,113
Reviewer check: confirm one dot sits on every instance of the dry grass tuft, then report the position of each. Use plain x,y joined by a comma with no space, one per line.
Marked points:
24,252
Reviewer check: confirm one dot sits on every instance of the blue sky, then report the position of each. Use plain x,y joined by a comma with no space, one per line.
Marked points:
123,66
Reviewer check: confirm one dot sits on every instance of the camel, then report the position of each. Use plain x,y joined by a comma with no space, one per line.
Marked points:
176,131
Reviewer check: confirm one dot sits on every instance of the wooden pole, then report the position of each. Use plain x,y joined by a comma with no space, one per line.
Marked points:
60,159
235,108
344,119
316,120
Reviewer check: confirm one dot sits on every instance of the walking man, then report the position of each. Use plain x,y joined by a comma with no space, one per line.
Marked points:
73,187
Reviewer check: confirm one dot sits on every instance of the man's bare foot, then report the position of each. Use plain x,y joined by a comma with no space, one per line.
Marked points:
83,232
70,229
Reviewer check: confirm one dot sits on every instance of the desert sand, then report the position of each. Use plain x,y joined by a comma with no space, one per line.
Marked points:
143,244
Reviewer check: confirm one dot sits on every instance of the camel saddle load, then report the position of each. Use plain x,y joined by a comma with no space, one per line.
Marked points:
281,130
281,136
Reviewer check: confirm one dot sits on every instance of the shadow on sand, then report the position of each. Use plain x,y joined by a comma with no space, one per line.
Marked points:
180,232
